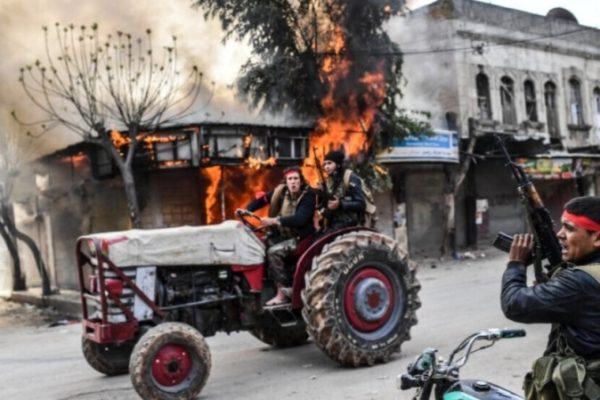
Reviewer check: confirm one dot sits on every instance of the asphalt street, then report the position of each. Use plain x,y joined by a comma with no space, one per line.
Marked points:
459,297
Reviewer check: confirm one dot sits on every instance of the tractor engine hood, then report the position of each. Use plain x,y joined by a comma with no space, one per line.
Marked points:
224,244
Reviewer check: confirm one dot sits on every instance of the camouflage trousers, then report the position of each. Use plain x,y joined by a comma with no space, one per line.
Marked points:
276,257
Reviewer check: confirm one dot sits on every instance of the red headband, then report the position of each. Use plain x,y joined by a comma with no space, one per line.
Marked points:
582,221
292,171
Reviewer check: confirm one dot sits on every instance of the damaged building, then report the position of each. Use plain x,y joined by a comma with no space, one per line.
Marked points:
485,70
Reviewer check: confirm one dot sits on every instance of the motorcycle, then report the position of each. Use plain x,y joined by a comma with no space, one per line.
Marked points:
429,373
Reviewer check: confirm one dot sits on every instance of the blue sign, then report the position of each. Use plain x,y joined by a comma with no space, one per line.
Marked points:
441,146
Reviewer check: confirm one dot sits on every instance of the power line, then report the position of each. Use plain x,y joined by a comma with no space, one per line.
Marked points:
470,48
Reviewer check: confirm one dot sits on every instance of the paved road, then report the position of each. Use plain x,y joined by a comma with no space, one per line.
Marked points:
458,298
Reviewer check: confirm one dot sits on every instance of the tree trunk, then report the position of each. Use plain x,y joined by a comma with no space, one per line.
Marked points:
11,245
39,261
37,255
131,193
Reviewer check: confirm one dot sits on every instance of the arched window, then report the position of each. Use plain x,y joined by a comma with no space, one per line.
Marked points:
483,96
551,110
530,102
576,109
507,99
596,105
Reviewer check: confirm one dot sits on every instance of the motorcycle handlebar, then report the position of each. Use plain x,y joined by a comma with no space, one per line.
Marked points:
416,375
512,333
495,334
491,334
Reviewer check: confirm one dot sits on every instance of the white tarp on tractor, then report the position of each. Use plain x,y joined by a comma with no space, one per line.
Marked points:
227,243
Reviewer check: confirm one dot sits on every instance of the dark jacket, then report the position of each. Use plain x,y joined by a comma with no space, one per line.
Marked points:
352,201
570,298
302,220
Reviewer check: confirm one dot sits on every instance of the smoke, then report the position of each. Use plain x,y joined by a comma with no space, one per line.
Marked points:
415,36
199,43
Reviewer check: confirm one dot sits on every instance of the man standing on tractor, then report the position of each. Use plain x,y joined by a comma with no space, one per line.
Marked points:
569,300
291,208
343,204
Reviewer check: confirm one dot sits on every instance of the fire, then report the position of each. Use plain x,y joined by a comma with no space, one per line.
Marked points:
232,187
257,164
213,175
348,118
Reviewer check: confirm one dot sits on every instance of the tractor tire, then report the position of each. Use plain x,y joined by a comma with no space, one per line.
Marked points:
272,333
108,359
170,361
360,298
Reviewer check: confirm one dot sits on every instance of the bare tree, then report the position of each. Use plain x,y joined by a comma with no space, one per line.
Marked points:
110,91
14,151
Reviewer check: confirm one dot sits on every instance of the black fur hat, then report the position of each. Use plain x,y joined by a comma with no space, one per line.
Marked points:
336,156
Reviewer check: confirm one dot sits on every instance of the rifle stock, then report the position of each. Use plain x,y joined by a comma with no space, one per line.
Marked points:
546,243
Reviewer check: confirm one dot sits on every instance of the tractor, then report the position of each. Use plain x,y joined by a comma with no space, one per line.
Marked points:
150,297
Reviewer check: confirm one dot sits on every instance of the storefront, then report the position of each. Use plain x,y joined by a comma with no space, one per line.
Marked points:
420,167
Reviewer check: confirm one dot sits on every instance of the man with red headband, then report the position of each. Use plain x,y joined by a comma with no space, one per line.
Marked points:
569,300
291,209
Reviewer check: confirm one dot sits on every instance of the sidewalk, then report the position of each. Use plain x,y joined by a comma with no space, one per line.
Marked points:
66,303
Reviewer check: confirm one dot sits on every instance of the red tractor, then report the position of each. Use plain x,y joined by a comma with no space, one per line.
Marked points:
150,297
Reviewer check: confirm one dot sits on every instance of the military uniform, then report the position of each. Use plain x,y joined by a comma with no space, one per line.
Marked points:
570,301
352,201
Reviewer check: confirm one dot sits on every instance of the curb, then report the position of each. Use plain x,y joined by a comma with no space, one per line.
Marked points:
67,302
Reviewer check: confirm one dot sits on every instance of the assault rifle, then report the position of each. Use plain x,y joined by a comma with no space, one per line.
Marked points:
320,213
322,181
546,245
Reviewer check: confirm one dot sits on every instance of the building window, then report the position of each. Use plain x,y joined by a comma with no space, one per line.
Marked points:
575,102
507,100
102,163
530,102
551,110
483,96
597,105
177,148
291,147
451,121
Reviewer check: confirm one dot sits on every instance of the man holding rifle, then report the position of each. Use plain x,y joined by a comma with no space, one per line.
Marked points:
344,204
569,300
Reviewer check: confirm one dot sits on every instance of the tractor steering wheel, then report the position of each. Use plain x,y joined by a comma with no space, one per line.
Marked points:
245,215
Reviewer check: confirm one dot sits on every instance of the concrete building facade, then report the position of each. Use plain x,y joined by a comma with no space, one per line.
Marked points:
486,70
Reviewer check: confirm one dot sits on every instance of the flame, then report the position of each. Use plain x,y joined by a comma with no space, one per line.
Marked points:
118,138
174,163
230,187
347,119
213,175
257,164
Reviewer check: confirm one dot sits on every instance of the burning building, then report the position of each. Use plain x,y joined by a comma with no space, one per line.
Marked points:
192,174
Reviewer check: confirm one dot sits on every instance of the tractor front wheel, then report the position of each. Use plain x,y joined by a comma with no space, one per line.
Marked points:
360,298
171,361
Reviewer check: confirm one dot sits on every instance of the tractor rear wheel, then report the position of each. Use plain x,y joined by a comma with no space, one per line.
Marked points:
170,361
108,359
360,298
